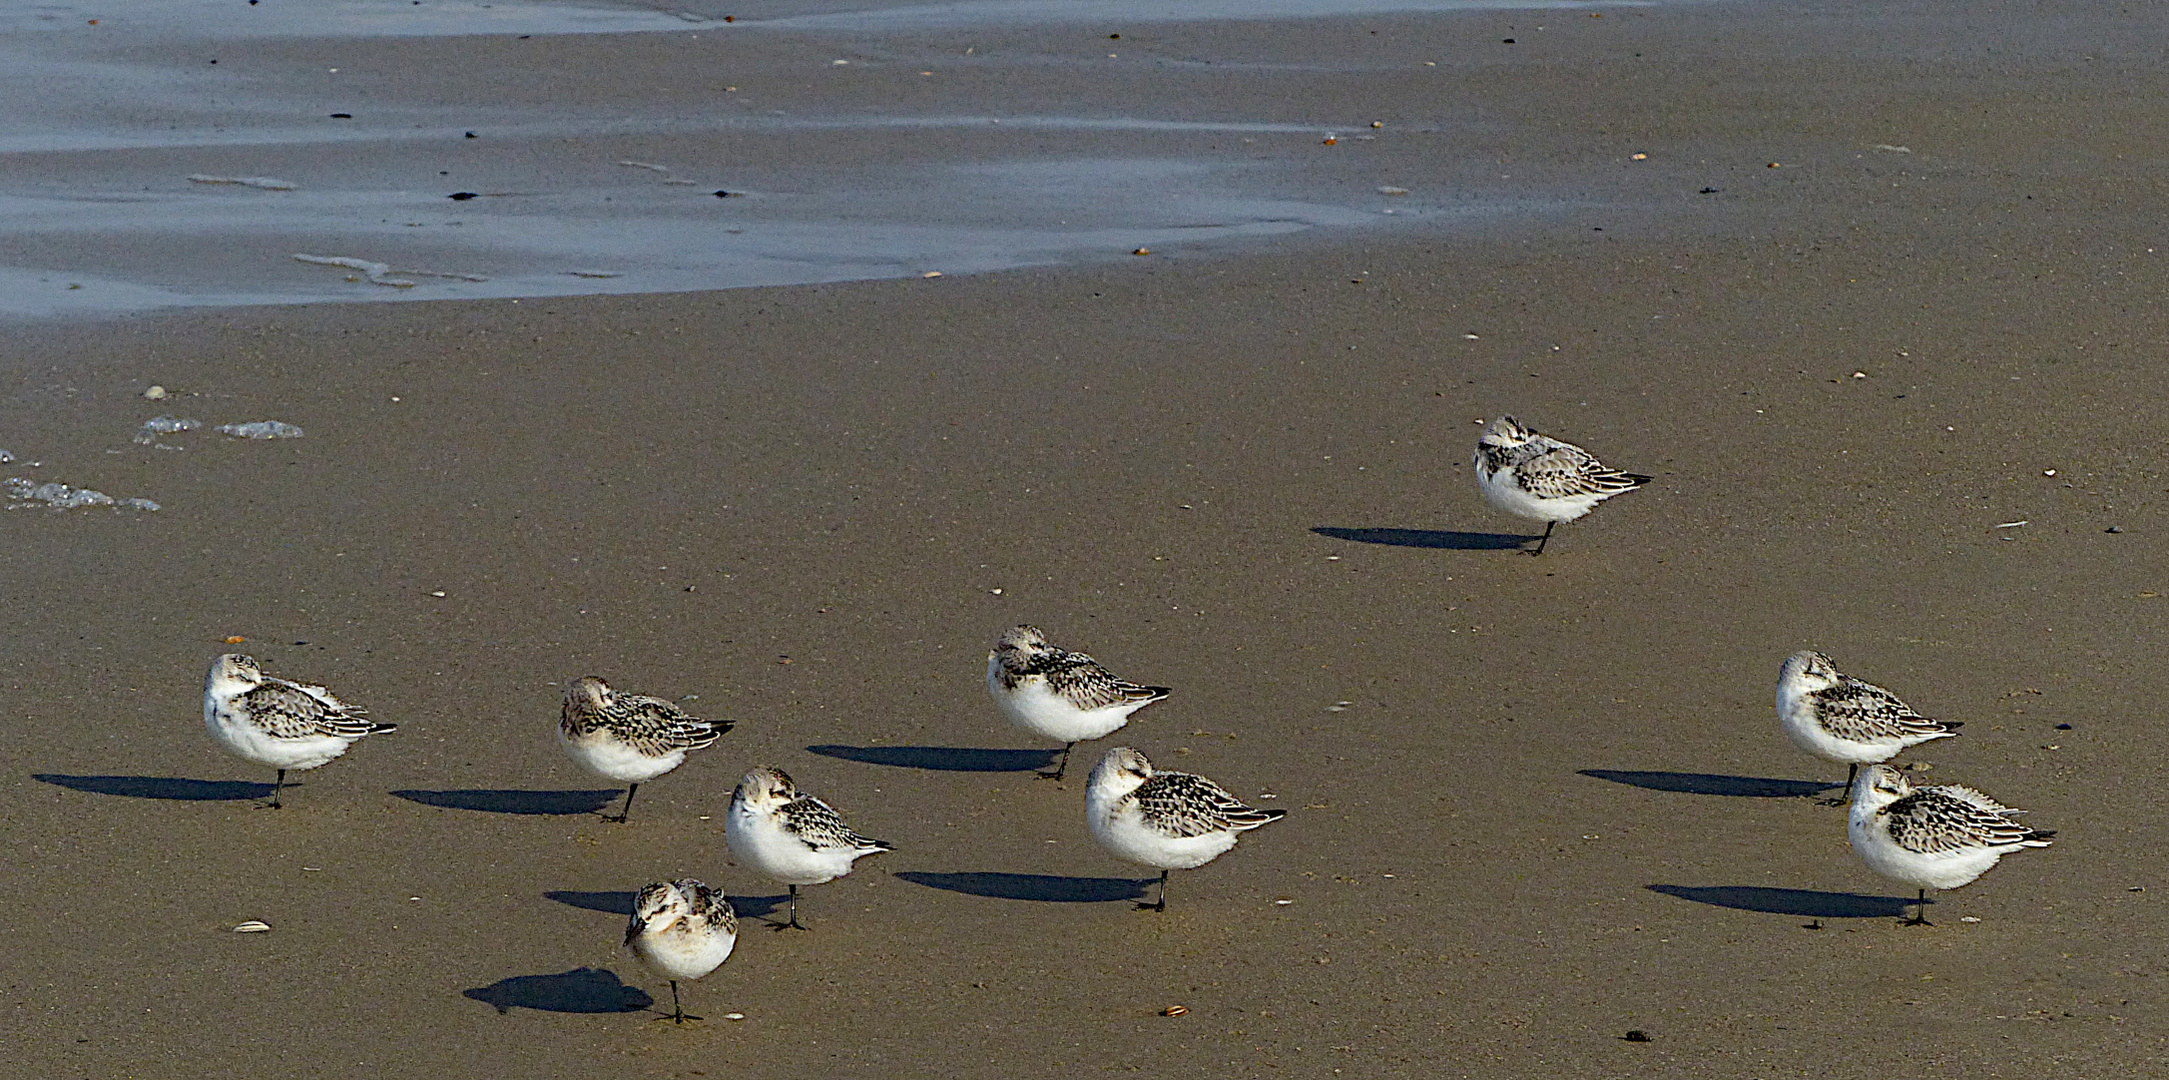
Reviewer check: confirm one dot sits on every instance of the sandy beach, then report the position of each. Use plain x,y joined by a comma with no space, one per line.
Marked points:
1533,804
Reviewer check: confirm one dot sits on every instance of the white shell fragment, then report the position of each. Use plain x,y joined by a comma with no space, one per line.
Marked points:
253,926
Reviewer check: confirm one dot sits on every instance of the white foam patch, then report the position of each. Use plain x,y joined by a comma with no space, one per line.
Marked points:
962,13
229,19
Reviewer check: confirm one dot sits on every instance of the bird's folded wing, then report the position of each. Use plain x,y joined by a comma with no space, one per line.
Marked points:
294,711
1568,471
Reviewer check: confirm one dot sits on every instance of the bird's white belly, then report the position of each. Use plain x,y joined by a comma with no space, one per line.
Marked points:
1041,711
613,760
1948,871
766,849
1798,719
1503,494
249,742
684,956
1125,835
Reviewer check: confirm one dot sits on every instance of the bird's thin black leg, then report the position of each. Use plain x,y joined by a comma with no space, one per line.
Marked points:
677,1010
1920,912
1546,538
1851,771
274,804
1060,767
1161,905
794,924
627,810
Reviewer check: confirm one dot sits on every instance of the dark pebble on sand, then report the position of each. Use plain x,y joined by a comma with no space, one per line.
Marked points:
2114,529
2063,727
342,116
1637,1035
462,196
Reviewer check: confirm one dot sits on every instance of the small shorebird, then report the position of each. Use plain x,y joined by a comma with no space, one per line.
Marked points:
1932,837
628,738
1057,694
1840,718
681,930
1169,820
276,723
785,834
1538,477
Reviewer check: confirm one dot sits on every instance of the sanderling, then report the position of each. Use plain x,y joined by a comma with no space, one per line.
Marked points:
285,725
1932,837
1057,694
785,834
626,737
681,930
1171,820
1839,718
1538,477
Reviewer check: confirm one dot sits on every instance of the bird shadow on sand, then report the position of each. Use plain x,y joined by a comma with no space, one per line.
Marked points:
621,903
942,758
162,787
1694,783
1045,888
1808,902
1431,538
516,802
581,990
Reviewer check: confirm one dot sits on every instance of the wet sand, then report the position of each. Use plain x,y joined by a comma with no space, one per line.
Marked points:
1554,808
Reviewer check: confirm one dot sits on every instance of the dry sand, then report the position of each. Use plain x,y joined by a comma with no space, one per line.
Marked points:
1556,808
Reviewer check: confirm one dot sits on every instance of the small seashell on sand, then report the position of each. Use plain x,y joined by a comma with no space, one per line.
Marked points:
253,926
